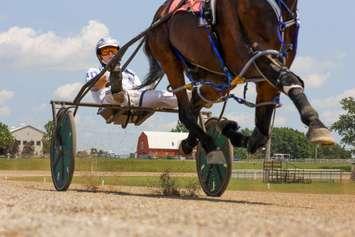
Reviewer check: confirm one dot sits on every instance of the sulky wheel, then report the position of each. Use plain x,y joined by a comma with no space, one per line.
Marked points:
63,148
214,178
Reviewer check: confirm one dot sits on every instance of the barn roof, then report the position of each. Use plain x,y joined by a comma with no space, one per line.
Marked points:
27,126
165,140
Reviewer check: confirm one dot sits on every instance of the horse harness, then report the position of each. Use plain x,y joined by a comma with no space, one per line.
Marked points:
207,17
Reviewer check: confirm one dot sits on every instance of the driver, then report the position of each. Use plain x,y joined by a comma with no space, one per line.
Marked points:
106,49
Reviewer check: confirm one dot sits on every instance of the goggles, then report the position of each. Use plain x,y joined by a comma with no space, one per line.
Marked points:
107,50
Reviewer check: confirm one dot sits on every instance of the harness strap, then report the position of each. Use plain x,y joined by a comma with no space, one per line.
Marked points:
276,7
275,102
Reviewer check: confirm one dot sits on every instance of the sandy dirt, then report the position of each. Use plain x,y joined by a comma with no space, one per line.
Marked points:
36,209
42,173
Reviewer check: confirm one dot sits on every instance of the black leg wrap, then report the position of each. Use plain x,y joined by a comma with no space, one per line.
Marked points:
186,117
256,140
230,130
238,139
187,145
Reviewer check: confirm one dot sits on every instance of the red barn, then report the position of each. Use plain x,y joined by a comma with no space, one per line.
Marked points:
159,144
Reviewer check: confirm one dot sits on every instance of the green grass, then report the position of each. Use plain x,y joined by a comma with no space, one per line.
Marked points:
131,165
331,165
24,164
102,164
235,184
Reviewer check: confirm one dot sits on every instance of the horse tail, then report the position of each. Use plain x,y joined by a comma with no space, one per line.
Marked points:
155,73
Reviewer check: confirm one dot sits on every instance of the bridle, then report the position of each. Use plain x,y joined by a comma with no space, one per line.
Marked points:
279,7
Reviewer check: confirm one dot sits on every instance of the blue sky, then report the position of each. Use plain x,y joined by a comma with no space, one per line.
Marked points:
47,46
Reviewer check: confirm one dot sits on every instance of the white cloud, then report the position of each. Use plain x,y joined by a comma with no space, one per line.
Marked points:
67,91
28,48
330,107
280,121
329,116
4,111
4,96
347,93
334,101
243,120
315,80
314,72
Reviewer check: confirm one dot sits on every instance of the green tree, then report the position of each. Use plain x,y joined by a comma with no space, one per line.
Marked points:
290,141
6,138
239,152
47,138
293,142
14,148
333,152
345,126
179,128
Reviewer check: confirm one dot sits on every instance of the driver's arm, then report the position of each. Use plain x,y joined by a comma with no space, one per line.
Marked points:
101,83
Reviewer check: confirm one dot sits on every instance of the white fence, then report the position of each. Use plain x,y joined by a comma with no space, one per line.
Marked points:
329,175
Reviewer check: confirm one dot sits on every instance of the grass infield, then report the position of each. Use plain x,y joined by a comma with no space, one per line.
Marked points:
134,165
347,187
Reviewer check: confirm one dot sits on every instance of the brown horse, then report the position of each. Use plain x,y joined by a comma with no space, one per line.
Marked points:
243,27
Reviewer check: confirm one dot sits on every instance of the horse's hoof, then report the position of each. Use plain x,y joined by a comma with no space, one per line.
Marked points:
256,140
184,149
226,125
320,136
215,157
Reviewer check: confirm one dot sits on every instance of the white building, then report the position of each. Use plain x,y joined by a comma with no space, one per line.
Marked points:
29,135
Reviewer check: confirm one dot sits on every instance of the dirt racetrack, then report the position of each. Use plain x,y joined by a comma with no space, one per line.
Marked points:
35,209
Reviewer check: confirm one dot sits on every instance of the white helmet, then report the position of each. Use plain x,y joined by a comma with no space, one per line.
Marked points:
104,42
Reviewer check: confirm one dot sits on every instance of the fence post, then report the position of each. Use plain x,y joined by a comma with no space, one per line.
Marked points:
341,176
353,171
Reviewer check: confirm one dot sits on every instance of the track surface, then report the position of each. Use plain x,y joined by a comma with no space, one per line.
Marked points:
35,209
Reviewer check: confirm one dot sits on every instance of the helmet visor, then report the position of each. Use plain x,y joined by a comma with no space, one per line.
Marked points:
107,50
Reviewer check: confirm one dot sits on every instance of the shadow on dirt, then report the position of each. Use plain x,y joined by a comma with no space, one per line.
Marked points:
158,195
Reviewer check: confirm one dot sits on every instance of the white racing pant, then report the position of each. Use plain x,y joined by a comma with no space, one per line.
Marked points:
148,98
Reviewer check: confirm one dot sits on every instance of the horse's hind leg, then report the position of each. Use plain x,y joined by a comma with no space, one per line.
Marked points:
161,50
187,145
188,117
263,115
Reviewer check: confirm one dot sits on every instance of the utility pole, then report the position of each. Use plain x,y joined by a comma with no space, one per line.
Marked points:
315,152
268,149
268,143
